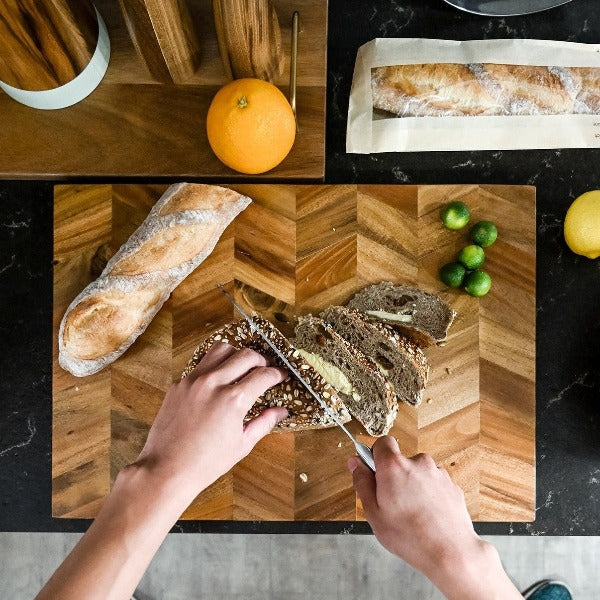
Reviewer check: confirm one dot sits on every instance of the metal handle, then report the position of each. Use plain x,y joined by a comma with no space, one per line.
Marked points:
365,454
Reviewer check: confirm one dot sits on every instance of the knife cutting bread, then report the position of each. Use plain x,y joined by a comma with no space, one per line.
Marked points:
369,366
304,411
361,359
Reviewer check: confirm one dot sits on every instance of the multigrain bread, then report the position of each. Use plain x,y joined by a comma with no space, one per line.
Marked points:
180,231
475,89
401,361
370,397
304,411
423,317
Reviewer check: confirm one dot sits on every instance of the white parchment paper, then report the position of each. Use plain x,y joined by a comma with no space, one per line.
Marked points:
411,134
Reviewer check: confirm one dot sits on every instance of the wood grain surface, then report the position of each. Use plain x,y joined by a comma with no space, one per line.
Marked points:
134,124
164,37
249,38
45,43
298,249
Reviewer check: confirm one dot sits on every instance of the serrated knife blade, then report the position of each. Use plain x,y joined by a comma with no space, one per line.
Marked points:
363,451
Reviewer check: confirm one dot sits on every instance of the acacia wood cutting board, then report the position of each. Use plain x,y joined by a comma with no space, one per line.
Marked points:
297,249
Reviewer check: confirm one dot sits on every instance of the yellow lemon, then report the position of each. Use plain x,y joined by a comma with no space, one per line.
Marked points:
582,225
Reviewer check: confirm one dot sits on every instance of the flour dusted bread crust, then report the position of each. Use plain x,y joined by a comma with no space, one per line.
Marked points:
450,89
180,231
304,411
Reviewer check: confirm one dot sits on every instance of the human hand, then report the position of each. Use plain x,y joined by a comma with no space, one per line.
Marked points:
199,433
414,508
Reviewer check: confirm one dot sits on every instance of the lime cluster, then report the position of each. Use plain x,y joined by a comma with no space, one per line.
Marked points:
466,271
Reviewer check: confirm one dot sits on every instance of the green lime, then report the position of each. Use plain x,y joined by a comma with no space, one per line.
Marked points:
455,215
484,233
472,256
453,274
478,283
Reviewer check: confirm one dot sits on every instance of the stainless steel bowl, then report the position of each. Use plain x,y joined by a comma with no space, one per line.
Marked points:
505,8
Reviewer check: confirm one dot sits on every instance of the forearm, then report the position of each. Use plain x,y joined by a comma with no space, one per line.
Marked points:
473,573
112,556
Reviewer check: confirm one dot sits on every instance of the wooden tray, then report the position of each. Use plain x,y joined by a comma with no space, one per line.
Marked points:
298,249
133,125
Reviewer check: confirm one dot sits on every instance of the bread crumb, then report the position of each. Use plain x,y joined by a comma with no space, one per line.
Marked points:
333,229
339,444
428,400
76,388
303,477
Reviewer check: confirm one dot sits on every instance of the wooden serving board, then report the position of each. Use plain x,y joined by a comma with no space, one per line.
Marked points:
298,249
135,125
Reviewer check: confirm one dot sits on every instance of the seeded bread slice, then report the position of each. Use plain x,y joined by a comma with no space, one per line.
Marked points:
305,412
401,361
423,317
372,402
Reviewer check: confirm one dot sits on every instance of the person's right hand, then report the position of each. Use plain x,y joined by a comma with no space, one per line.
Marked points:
414,508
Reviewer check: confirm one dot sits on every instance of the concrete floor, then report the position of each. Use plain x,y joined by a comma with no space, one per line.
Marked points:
294,567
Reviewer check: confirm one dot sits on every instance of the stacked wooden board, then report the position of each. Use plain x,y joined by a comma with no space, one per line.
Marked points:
298,249
134,124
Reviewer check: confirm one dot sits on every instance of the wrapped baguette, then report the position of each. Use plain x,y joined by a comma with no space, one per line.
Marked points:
180,231
450,89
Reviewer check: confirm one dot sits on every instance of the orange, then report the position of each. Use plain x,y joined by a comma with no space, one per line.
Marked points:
250,125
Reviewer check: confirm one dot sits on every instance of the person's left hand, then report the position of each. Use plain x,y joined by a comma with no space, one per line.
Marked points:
199,433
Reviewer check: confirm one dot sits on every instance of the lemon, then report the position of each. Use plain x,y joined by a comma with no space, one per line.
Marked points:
582,225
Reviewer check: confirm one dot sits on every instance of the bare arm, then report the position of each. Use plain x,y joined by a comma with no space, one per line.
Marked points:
417,513
198,435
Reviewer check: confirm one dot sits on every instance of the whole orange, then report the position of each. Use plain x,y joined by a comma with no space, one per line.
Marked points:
250,125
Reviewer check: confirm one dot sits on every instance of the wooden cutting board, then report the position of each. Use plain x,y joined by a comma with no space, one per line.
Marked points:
135,125
298,249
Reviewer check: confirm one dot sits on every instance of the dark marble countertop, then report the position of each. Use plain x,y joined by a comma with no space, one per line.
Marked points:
568,292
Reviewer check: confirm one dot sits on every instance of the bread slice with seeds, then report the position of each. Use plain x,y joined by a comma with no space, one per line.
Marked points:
423,317
364,390
401,361
304,411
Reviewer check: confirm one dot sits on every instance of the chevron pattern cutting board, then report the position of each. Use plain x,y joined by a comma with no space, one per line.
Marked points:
297,249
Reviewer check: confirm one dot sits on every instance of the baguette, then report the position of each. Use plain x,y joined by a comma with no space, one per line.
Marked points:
304,411
180,231
450,89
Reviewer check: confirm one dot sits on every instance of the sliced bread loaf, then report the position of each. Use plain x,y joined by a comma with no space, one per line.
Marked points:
423,317
304,411
367,394
401,361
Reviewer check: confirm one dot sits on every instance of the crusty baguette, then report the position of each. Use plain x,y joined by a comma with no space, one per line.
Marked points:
450,89
304,411
180,231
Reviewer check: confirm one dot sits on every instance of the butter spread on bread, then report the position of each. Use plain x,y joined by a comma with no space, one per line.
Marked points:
304,411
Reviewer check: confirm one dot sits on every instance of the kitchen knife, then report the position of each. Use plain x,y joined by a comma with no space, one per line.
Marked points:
363,451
